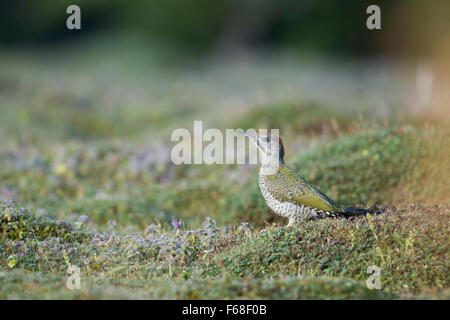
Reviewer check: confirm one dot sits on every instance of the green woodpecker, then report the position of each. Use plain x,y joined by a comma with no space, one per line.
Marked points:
287,193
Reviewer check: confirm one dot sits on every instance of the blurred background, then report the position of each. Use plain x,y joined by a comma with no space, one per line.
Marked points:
411,27
86,115
221,55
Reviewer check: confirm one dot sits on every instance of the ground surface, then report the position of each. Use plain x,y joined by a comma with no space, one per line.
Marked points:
85,152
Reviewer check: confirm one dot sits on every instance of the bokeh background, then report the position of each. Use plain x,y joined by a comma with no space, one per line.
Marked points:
220,55
86,118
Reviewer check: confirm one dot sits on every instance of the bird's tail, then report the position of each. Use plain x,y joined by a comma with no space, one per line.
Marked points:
348,212
357,211
353,212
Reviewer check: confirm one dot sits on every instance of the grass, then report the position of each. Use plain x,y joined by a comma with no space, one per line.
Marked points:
88,163
318,259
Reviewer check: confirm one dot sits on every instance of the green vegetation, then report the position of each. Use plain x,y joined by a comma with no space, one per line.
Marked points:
87,160
314,260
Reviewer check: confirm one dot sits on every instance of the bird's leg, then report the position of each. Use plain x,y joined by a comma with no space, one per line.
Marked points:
291,222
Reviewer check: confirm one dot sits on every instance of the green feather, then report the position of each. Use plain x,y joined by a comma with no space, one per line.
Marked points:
288,186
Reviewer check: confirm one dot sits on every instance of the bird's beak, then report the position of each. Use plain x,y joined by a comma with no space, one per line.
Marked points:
247,134
253,137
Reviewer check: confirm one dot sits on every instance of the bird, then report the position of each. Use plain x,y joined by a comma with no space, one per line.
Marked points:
287,193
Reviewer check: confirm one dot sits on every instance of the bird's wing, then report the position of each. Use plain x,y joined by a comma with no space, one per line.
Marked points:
290,187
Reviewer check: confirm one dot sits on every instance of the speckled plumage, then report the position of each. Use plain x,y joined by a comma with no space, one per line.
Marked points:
290,196
287,193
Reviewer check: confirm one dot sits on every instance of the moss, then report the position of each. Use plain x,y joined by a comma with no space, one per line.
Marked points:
325,259
17,224
395,242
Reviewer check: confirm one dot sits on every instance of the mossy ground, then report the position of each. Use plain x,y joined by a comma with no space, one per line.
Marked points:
87,160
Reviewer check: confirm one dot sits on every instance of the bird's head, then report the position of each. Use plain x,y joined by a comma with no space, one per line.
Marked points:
270,145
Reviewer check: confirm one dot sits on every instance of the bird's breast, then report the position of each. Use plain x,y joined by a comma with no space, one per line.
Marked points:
285,208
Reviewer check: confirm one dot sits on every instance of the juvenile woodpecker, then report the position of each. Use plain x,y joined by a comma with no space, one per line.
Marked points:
287,193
